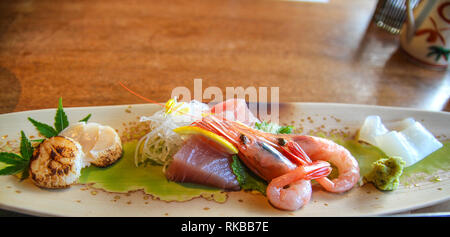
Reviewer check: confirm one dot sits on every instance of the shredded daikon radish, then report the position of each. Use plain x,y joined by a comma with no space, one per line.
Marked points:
161,143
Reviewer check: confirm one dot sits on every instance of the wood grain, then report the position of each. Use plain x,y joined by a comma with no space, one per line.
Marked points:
314,52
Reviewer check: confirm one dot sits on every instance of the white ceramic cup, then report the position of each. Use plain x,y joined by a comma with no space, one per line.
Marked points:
425,36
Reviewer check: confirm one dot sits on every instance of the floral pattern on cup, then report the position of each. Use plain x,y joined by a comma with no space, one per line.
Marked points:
426,35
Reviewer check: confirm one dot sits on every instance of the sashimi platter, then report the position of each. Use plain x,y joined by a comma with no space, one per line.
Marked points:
187,158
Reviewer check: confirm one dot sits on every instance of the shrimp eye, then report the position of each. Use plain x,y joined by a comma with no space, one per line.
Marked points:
244,139
282,141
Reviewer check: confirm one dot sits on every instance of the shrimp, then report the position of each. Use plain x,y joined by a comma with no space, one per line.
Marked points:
293,190
266,154
292,198
278,160
326,150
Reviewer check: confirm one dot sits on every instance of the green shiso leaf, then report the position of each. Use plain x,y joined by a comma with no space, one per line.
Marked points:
13,163
44,129
26,150
37,140
12,169
61,121
267,127
25,173
247,179
286,129
85,119
10,158
274,128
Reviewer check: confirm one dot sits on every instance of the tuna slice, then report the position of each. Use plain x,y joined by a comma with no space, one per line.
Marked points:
235,110
201,161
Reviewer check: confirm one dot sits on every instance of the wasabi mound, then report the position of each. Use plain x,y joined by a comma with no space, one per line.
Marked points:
386,172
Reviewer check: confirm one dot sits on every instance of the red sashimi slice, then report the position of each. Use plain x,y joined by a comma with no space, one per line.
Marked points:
235,110
201,162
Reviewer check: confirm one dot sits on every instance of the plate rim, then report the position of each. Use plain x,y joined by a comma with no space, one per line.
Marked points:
333,104
310,104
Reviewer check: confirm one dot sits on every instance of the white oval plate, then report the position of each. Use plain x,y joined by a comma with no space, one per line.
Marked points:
82,200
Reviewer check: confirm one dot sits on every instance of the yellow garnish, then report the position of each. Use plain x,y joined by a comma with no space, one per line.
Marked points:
169,105
188,130
173,106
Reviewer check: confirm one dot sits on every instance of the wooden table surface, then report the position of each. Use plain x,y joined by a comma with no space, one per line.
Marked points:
314,52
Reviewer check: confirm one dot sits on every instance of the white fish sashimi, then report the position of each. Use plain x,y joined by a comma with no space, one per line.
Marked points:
420,138
394,143
402,124
410,139
371,128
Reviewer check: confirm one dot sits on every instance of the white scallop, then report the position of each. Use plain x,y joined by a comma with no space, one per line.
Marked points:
101,144
56,162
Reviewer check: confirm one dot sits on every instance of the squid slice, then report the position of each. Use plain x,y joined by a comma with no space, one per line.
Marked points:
409,139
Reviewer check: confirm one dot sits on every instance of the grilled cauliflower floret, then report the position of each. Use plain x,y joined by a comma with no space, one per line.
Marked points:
56,162
101,144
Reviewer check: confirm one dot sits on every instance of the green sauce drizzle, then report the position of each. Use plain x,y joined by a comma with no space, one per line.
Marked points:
438,160
124,176
366,154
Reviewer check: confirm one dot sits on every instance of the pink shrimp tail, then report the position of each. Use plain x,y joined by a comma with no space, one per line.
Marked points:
292,190
296,153
317,170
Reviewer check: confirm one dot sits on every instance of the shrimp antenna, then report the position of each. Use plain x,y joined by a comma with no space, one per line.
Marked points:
151,101
140,96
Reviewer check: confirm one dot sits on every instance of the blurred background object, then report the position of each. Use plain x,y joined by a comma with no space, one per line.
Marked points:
425,37
391,14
